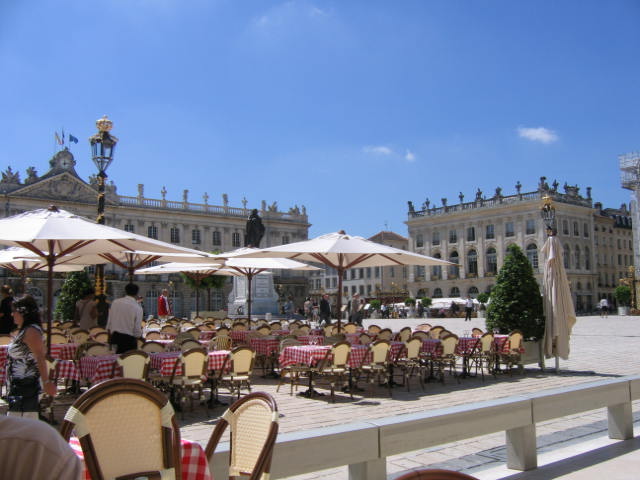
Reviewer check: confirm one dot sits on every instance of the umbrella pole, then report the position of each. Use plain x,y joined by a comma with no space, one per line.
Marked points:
249,278
198,282
50,261
339,299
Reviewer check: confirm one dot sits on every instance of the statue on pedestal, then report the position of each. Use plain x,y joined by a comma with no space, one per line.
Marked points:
254,230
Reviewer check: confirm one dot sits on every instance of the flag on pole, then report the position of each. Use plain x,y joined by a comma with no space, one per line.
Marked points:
58,139
73,139
63,136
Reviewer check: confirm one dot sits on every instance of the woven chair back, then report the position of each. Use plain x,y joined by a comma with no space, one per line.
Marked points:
350,328
239,327
341,352
102,337
80,336
328,330
364,339
373,329
486,342
96,330
413,348
515,340
424,327
97,349
198,320
194,332
264,330
187,324
194,362
379,351
221,342
443,333
405,334
152,347
275,326
153,325
476,332
242,360
253,421
58,338
153,336
135,364
435,331
422,334
125,427
385,334
5,339
66,325
169,329
449,344
222,331
189,344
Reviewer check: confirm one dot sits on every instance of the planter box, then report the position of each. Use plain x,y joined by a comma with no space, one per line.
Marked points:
532,353
623,310
482,314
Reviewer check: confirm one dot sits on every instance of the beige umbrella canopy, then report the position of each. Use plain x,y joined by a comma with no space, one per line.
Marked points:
559,313
52,233
342,252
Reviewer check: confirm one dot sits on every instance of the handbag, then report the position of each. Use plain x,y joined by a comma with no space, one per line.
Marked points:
23,395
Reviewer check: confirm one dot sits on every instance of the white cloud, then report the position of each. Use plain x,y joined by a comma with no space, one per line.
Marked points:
539,134
410,156
377,150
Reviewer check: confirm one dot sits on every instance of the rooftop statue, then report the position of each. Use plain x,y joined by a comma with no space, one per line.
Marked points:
254,230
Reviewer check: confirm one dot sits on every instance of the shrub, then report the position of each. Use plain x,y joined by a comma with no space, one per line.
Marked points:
623,295
515,300
72,290
426,302
374,304
483,298
409,301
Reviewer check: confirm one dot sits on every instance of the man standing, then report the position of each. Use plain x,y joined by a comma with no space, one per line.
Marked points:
125,320
354,309
164,307
468,308
325,310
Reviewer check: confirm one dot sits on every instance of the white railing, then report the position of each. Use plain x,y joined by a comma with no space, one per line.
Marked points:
364,446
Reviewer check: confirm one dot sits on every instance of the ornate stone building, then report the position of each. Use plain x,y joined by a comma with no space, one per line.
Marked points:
200,225
475,235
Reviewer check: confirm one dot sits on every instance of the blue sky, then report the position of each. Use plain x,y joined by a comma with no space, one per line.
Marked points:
350,108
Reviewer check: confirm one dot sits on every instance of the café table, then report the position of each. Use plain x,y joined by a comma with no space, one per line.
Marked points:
163,362
98,368
64,351
194,461
64,369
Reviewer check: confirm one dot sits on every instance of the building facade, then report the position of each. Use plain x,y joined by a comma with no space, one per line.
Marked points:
200,226
475,235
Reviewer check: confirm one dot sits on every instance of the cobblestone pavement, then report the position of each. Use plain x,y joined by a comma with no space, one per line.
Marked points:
600,349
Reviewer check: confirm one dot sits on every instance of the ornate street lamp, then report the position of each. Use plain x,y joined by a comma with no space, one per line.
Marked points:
548,214
102,147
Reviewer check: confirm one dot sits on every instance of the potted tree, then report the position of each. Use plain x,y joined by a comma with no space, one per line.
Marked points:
426,303
482,298
411,304
623,297
516,304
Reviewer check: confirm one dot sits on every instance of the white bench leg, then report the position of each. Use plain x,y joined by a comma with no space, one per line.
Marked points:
371,470
620,421
521,448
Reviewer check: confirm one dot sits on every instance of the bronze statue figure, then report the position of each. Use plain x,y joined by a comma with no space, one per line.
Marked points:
254,230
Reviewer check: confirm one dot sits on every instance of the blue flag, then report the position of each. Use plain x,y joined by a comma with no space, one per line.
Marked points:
73,139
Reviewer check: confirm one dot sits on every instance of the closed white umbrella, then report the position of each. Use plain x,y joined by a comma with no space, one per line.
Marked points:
559,313
52,233
342,252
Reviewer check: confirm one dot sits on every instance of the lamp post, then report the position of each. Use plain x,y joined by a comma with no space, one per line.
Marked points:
548,214
102,147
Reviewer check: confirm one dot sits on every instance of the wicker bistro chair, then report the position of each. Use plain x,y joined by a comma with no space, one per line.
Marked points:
152,347
127,429
421,334
275,326
59,338
334,367
424,327
5,339
385,334
435,474
447,358
373,329
411,363
253,421
239,326
264,330
476,332
350,327
404,334
512,356
101,337
378,366
189,344
46,401
221,342
68,325
152,336
80,336
305,329
485,356
169,329
364,339
95,349
194,364
292,373
239,362
194,332
134,364
223,330
434,332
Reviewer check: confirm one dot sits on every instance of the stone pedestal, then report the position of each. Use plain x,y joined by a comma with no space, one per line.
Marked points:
263,295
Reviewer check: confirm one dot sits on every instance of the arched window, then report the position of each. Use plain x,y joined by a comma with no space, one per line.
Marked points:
455,292
577,257
587,258
472,263
532,255
454,270
473,291
567,256
579,286
419,241
491,263
565,227
436,270
437,293
421,293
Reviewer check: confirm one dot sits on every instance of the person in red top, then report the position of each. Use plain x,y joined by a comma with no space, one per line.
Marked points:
164,307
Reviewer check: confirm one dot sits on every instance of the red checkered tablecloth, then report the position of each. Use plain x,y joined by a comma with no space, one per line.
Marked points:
312,354
64,351
466,345
207,334
239,336
502,345
194,461
431,346
265,345
311,339
353,338
65,368
97,369
3,362
164,361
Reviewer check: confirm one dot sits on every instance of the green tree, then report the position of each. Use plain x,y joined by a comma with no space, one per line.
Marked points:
409,301
75,284
426,302
207,283
515,300
623,295
483,298
374,304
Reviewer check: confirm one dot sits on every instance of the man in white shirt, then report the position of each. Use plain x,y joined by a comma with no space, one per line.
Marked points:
468,308
125,320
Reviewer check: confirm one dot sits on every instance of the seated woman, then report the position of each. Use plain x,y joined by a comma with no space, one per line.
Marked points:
27,366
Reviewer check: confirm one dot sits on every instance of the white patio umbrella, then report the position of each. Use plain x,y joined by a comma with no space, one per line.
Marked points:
52,233
196,271
342,252
559,313
248,267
